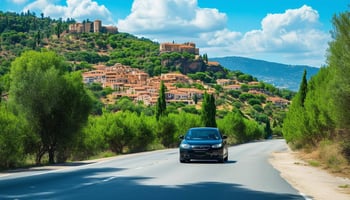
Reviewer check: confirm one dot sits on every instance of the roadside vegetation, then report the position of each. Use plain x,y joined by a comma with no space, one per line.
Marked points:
318,119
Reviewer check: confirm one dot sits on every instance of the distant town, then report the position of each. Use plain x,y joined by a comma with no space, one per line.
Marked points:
138,86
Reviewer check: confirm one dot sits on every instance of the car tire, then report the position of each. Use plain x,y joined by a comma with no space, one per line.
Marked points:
226,159
182,160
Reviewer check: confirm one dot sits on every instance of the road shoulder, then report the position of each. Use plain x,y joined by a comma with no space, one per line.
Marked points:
311,181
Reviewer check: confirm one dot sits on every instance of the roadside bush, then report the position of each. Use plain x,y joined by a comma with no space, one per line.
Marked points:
166,131
346,149
330,153
11,140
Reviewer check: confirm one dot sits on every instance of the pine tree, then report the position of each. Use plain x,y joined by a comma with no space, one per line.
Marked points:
339,62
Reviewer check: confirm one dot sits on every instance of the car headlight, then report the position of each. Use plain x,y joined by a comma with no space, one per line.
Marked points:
185,146
216,146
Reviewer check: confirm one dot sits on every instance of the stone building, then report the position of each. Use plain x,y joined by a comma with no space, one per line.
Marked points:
189,47
91,27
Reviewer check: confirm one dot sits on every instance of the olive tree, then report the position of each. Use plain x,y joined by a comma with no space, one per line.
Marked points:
53,101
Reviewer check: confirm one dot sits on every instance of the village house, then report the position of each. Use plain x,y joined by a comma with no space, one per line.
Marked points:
116,76
225,82
232,87
278,101
256,92
95,76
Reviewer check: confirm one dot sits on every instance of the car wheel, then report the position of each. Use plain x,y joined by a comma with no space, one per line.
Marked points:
183,160
226,159
221,160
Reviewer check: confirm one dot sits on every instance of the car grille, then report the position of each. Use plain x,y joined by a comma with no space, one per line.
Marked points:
200,147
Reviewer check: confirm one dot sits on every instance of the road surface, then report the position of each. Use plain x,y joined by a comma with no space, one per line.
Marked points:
157,175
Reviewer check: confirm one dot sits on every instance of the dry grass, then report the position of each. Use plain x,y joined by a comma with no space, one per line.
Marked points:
329,157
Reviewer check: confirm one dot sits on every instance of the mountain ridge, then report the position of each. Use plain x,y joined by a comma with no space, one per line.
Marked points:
278,74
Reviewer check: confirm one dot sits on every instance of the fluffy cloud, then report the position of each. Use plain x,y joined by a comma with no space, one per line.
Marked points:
292,35
176,17
294,30
77,9
18,1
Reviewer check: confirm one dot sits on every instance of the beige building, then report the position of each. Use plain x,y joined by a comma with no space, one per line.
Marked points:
189,47
89,27
97,26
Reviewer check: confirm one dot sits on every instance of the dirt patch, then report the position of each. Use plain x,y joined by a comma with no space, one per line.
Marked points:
313,182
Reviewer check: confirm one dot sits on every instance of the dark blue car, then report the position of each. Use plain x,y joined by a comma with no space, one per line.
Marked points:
203,143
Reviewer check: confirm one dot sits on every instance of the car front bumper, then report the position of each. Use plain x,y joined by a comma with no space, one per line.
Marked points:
210,154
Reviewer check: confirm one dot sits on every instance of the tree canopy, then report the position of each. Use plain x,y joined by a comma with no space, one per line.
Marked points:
54,102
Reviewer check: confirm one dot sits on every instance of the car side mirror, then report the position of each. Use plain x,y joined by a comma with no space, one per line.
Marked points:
224,137
182,137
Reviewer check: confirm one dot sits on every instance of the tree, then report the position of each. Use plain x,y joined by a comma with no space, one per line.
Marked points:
161,103
195,98
303,89
166,131
58,29
205,58
54,102
233,125
339,62
268,130
295,125
208,113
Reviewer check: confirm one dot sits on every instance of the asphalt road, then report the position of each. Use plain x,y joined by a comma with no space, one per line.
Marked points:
158,175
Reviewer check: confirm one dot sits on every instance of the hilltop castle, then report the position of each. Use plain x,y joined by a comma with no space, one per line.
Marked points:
89,27
189,47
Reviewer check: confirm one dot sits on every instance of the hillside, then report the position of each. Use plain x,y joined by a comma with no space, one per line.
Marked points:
84,51
277,74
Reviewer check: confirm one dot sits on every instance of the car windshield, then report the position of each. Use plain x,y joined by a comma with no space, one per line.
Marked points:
203,134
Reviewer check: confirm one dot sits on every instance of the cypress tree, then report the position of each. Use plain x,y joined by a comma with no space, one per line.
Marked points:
212,111
208,113
303,89
161,103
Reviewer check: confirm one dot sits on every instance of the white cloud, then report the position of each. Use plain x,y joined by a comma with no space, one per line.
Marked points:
171,17
291,37
77,9
222,37
18,1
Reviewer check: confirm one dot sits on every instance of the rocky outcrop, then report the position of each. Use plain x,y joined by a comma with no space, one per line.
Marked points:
186,66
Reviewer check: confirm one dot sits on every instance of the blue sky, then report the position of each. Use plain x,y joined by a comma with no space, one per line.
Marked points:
285,31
